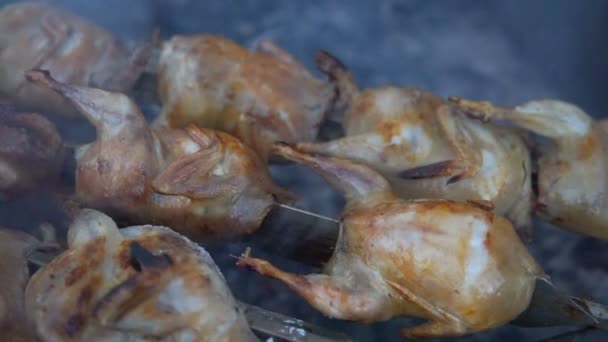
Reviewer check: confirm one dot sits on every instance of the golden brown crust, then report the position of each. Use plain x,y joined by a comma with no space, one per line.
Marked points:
457,264
144,283
199,181
260,96
427,148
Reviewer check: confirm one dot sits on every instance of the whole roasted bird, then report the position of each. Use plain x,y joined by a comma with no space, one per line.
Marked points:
427,149
261,95
460,266
199,181
141,283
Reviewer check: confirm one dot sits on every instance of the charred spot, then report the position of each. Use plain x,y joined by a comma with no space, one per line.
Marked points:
85,296
123,259
76,274
130,283
141,258
74,325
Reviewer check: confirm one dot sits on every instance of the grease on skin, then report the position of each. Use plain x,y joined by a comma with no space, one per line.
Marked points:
424,258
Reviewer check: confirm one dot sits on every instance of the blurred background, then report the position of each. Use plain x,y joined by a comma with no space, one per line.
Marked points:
503,51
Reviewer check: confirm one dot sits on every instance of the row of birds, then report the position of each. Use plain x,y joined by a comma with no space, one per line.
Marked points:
437,189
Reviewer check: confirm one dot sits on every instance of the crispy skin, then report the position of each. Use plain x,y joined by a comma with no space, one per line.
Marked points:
144,283
572,165
428,150
36,35
228,187
260,96
31,151
460,266
199,181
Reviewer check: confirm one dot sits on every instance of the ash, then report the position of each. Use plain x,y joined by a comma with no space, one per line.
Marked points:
503,51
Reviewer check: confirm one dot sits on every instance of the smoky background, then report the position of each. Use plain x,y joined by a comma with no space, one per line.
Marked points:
502,51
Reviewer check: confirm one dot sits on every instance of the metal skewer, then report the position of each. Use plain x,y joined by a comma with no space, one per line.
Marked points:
296,234
549,306
306,212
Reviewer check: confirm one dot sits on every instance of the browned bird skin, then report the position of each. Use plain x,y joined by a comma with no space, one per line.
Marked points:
201,182
141,283
573,165
31,151
461,267
428,150
34,35
260,96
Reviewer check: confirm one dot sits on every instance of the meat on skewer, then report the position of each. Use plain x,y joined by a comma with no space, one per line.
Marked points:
572,166
144,283
261,96
426,149
460,266
202,182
